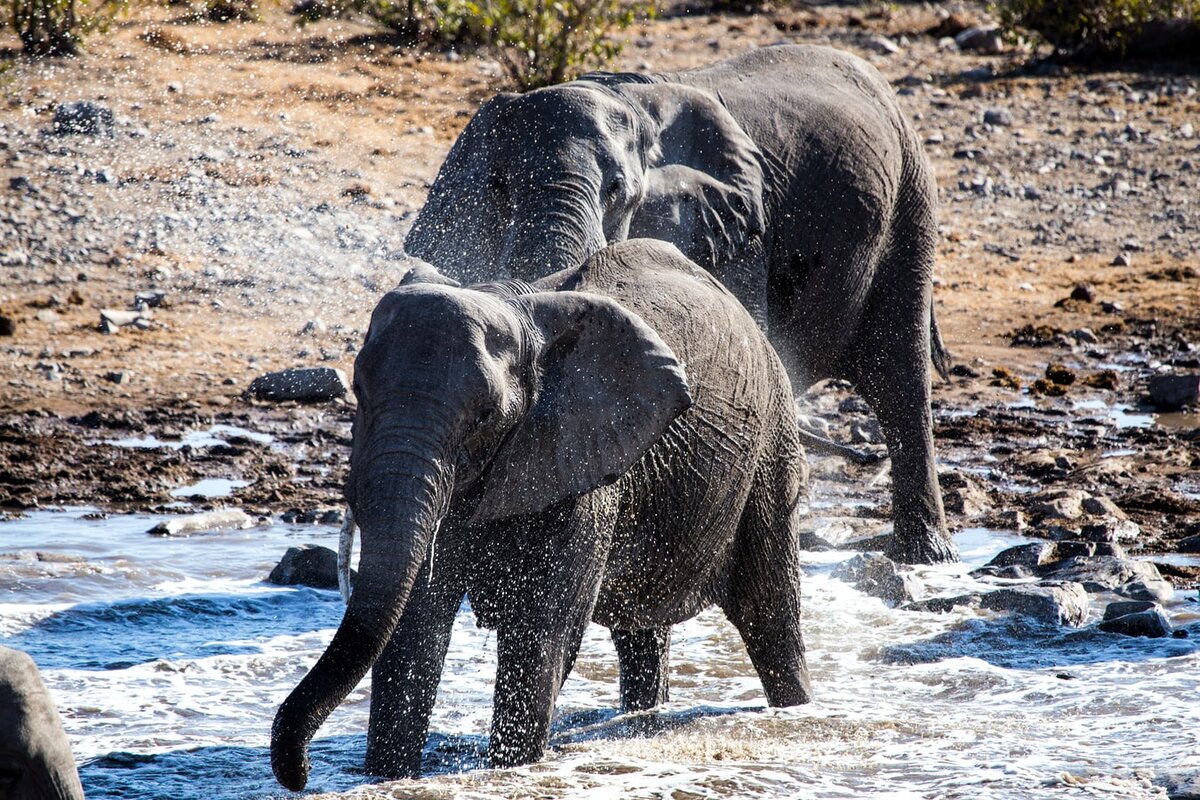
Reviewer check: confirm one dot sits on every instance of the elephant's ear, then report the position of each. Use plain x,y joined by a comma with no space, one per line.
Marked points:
704,181
609,387
453,230
418,271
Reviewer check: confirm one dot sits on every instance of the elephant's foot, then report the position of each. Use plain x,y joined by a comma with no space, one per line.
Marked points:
918,543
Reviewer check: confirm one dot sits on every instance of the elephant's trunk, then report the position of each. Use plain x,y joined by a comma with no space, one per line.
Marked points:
397,511
565,230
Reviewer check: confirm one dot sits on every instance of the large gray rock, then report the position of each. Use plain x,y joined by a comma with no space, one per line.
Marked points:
1151,623
1123,607
1025,555
310,565
877,576
1137,580
1062,603
222,519
306,385
83,117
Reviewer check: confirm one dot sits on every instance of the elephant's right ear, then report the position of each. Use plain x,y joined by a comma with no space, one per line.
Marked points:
453,228
609,387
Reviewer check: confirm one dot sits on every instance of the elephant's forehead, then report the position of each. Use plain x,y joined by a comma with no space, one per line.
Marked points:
562,110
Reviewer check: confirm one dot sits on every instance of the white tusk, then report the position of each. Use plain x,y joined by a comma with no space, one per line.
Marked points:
345,550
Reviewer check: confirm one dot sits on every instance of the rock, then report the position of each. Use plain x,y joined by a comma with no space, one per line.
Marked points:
981,38
1084,292
1151,623
1058,504
1102,507
323,516
310,565
305,385
1173,392
83,117
877,576
1027,555
1009,520
313,327
112,320
1138,580
1122,607
1111,530
1063,603
1190,544
1073,548
153,298
8,325
119,378
223,519
961,495
1000,117
881,45
942,605
1059,374
1122,260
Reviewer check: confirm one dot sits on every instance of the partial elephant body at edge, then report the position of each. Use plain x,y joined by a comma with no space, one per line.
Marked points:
790,172
35,757
616,443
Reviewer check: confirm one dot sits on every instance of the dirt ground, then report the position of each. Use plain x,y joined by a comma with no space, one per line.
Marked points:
261,177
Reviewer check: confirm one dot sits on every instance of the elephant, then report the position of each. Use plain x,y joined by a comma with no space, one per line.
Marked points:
789,172
614,443
35,757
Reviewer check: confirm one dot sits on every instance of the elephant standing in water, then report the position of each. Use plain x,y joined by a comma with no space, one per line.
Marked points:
616,443
35,758
789,172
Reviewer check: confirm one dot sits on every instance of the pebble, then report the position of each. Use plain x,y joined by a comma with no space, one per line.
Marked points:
83,117
981,38
1122,260
1000,117
882,45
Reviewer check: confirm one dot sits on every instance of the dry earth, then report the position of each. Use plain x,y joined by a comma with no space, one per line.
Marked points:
262,178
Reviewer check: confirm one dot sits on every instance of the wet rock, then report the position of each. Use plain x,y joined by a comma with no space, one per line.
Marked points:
981,38
83,117
1189,544
1174,392
877,576
962,495
223,519
1098,506
1111,530
1058,504
1027,555
305,385
1180,785
1073,548
1151,623
321,516
1009,520
943,605
1122,607
1063,603
1138,580
310,565
1085,336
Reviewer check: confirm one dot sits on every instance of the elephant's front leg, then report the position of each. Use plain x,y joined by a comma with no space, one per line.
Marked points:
405,678
643,658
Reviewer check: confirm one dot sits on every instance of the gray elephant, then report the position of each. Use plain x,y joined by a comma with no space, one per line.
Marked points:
789,172
35,758
616,443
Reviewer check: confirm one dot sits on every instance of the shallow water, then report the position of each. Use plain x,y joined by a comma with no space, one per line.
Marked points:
169,656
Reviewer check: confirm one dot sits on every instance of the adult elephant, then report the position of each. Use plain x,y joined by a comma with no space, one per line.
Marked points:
789,172
35,758
617,443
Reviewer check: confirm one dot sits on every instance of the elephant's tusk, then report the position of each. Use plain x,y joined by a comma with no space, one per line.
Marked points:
345,550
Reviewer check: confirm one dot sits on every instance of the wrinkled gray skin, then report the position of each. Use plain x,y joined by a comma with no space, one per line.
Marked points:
789,172
35,758
544,452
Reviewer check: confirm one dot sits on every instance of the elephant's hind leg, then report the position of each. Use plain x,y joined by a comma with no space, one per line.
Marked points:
643,657
763,595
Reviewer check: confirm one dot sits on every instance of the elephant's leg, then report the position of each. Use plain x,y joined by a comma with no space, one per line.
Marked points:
892,372
763,595
643,656
405,678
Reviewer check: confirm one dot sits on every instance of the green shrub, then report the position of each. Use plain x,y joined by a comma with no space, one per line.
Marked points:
57,27
539,43
1103,26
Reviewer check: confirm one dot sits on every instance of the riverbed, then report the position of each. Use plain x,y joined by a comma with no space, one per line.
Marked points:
168,657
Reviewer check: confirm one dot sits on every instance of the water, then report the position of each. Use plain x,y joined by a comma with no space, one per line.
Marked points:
169,656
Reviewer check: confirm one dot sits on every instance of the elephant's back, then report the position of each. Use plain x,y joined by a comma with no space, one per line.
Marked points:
682,503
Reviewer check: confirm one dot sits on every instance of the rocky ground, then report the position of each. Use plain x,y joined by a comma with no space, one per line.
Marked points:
247,201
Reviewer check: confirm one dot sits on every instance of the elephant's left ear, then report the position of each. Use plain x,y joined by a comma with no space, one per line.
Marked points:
609,387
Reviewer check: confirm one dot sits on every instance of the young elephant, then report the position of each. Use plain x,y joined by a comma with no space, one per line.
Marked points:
35,758
616,443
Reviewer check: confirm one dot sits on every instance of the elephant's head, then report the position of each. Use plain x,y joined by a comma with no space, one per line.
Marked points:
539,182
496,401
35,758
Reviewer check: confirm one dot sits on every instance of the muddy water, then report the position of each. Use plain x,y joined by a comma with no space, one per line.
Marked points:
169,656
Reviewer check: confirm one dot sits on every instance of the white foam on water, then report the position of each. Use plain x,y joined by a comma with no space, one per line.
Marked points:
169,665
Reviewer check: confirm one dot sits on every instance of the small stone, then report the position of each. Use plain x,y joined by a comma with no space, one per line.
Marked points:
877,576
1084,336
224,519
154,298
1028,555
112,320
119,378
1123,607
1174,392
210,118
313,327
310,565
1122,260
8,325
305,385
174,87
83,117
1151,624
1084,292
1059,374
981,38
881,45
20,183
1000,117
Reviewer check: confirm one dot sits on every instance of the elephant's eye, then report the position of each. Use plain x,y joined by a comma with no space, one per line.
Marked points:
616,189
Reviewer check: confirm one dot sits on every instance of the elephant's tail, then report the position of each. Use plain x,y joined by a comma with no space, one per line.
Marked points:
937,348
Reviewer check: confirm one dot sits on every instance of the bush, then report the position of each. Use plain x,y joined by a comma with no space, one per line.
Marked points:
1087,27
57,27
540,43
